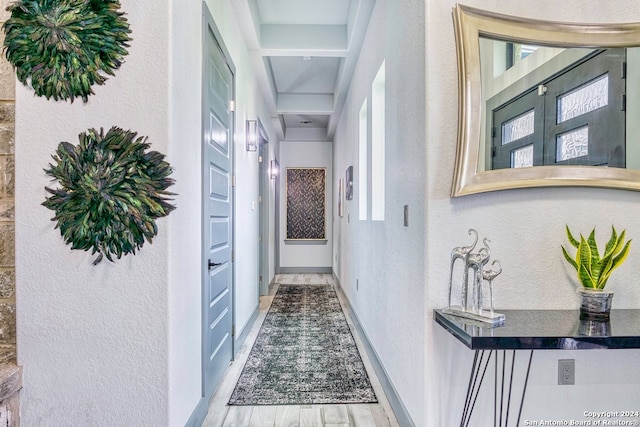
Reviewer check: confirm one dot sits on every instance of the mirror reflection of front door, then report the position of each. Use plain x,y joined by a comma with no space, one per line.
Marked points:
576,117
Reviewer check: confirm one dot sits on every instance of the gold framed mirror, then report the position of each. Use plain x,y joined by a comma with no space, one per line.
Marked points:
545,103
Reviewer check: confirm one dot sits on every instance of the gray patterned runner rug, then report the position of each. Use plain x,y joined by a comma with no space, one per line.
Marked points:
304,354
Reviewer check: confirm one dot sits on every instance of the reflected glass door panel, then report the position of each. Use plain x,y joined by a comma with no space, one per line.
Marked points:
584,108
574,117
518,124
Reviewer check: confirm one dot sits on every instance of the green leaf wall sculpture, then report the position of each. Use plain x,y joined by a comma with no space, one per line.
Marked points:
63,47
111,190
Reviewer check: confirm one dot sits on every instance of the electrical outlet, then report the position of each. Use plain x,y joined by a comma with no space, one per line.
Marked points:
566,371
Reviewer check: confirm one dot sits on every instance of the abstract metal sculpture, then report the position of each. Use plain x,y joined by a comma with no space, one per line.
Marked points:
489,275
462,253
475,261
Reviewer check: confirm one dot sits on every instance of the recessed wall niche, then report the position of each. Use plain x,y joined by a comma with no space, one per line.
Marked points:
378,143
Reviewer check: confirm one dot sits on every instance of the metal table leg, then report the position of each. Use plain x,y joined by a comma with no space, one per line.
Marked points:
476,378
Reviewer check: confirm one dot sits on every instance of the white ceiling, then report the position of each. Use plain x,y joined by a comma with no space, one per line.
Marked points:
304,52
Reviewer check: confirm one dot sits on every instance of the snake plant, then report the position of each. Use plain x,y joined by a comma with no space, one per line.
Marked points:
592,269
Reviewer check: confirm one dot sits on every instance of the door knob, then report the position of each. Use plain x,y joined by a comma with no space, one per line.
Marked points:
214,264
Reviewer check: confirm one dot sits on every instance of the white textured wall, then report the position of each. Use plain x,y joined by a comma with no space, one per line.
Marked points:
385,257
185,331
294,154
92,340
403,273
120,344
526,228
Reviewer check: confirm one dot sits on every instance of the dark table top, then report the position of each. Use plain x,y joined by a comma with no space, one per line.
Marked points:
546,330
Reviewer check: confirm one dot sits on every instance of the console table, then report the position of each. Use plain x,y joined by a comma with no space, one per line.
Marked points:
531,330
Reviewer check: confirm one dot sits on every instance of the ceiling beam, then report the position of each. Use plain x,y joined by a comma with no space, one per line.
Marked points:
304,37
306,134
324,53
305,103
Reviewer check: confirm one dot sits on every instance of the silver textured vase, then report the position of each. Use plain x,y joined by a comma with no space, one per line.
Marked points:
595,304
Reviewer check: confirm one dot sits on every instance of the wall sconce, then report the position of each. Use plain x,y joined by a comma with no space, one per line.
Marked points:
252,135
274,169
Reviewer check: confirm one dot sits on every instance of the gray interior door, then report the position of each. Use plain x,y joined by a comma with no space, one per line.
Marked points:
218,213
263,199
265,208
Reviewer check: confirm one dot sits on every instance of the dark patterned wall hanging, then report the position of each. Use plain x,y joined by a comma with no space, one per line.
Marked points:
306,198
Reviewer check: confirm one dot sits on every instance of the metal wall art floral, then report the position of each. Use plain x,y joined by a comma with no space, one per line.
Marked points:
111,191
61,48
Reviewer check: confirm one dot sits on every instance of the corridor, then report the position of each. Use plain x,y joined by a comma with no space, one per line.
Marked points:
367,415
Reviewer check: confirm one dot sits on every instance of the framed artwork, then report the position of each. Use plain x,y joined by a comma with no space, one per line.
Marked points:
349,183
306,203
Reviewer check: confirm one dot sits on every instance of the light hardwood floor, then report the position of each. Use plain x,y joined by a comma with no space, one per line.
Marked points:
362,415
